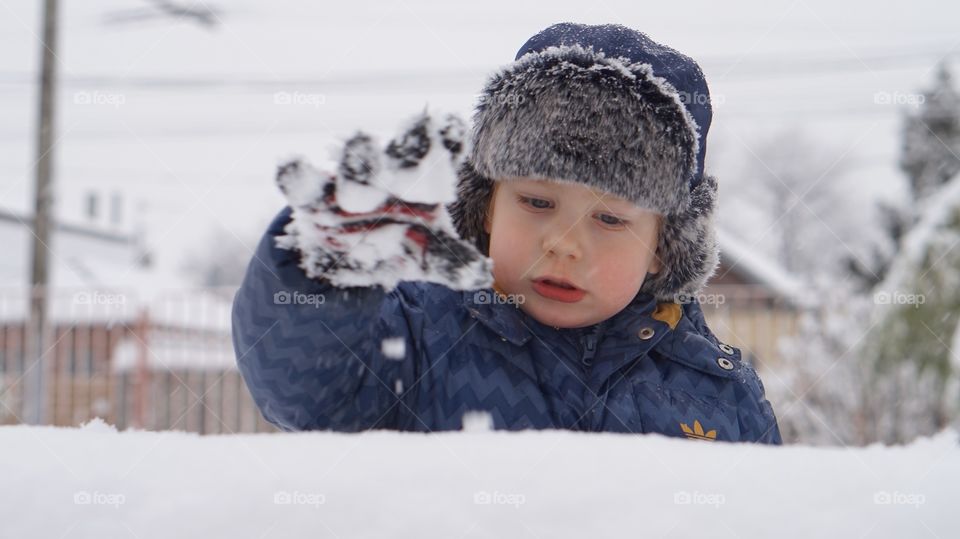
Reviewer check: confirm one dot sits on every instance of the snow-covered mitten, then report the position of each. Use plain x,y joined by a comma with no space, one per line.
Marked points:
381,218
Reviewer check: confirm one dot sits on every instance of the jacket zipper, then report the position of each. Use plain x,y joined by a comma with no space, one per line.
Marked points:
589,343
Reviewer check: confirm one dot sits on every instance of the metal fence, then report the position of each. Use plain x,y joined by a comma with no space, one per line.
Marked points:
163,364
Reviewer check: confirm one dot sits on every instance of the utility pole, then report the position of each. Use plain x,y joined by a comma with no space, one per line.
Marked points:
35,375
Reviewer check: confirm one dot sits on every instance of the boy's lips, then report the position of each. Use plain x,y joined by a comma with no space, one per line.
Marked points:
558,289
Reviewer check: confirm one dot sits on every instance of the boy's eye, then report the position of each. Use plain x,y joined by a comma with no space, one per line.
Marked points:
537,203
611,220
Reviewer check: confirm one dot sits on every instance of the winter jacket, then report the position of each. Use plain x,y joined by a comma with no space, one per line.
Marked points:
420,356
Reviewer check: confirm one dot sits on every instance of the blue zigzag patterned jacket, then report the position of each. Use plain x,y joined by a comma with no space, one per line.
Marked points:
320,365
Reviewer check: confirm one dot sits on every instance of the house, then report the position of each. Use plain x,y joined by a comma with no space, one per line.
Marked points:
125,341
751,302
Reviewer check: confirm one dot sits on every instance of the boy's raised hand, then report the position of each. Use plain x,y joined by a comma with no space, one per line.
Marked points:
381,217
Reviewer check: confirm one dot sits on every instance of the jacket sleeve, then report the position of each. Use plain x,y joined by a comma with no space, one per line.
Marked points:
763,426
311,354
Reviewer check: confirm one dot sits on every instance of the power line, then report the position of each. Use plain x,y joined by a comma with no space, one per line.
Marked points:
771,66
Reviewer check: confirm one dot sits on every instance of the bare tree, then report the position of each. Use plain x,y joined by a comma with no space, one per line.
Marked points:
221,260
798,186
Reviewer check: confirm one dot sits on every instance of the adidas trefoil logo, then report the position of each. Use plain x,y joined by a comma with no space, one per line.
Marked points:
696,433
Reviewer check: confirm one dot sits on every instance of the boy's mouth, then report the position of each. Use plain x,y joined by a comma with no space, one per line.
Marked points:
558,289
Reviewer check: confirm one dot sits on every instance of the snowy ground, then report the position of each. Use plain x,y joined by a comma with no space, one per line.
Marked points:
95,482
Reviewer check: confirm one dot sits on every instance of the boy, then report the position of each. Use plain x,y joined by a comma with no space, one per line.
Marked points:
583,185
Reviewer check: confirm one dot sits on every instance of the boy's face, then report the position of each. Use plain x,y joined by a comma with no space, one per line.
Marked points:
601,244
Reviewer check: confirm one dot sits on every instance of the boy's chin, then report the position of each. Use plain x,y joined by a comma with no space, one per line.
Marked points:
559,315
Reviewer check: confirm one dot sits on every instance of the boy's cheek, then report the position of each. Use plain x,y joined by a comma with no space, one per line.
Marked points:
617,277
508,265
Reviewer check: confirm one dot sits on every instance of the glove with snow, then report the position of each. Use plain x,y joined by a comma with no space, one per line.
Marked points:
381,218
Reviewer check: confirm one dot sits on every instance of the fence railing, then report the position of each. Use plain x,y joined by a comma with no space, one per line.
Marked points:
167,363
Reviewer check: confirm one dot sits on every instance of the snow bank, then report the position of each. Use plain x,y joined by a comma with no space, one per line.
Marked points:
96,482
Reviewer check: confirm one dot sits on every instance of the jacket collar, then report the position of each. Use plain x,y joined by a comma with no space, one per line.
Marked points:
506,320
512,324
679,332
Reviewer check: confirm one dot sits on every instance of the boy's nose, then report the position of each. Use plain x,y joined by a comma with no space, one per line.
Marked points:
563,243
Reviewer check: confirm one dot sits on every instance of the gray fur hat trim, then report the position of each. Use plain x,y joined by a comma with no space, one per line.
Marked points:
569,113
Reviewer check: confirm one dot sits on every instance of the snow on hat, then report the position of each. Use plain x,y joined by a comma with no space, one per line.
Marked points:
608,107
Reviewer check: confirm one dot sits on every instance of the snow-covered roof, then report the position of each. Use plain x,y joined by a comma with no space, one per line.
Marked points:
197,309
79,255
96,276
748,261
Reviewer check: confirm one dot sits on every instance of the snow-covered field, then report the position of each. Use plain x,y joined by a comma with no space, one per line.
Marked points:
96,482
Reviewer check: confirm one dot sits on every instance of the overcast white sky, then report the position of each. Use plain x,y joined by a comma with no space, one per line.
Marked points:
188,131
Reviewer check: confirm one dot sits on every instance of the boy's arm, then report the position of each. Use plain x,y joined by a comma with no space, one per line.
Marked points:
324,289
311,353
766,430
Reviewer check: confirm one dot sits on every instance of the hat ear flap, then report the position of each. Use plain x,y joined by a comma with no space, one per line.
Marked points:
687,247
469,210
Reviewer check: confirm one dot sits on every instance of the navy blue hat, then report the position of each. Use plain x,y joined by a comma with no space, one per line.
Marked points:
608,107
617,41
